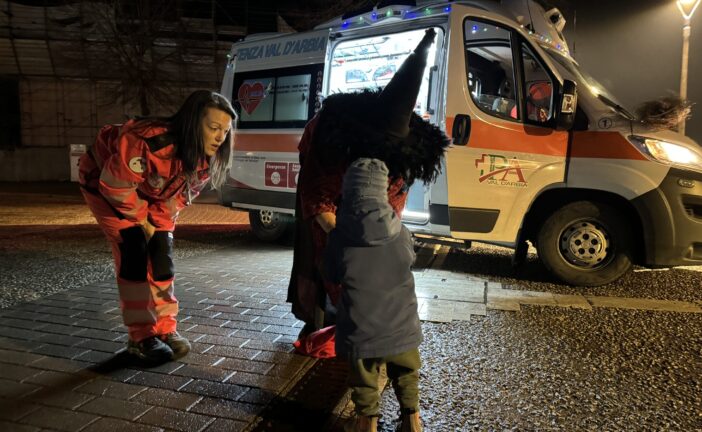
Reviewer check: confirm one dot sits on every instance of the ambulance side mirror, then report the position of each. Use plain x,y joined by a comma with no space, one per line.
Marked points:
568,106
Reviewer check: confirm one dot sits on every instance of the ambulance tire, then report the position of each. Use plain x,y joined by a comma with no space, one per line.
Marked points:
267,225
586,243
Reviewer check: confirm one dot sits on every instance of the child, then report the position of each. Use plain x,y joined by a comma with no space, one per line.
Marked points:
370,253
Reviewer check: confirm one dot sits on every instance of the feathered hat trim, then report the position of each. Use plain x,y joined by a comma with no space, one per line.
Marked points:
345,132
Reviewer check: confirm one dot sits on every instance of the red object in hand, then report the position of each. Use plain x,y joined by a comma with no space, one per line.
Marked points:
319,344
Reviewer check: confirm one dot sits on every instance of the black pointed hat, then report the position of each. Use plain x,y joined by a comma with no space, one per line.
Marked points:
397,100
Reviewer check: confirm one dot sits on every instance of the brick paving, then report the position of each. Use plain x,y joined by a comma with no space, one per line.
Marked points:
62,365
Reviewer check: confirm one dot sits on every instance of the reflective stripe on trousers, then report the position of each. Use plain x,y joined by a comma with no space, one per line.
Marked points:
149,308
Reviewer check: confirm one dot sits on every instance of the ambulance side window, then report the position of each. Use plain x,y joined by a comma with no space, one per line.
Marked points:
274,99
538,88
277,98
490,66
292,95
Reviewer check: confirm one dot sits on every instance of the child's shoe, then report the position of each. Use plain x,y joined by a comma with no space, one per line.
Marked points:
362,424
152,350
410,421
178,344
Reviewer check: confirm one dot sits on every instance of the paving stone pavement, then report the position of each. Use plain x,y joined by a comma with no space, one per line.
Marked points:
62,366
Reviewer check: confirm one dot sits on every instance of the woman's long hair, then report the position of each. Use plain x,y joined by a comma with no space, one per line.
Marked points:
186,128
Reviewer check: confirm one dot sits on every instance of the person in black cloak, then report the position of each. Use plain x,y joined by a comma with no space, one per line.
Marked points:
369,124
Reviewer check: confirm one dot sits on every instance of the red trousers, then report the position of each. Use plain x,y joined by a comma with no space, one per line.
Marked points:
149,307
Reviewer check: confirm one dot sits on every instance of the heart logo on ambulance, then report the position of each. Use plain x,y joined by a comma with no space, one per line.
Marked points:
250,95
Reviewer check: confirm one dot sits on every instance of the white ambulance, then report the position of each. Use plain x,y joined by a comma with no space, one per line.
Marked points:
578,177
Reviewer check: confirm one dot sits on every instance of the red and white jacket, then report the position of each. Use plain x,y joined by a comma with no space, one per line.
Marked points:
135,169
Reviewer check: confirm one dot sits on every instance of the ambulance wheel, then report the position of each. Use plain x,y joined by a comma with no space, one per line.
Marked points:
586,244
268,225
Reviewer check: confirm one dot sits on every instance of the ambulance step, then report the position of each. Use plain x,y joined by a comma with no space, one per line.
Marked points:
444,241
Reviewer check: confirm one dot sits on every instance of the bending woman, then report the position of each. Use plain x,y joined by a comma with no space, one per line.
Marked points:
135,179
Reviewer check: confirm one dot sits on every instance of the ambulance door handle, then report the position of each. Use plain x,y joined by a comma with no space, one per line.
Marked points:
461,129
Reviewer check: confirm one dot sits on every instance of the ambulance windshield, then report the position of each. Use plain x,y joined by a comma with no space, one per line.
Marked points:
595,87
370,63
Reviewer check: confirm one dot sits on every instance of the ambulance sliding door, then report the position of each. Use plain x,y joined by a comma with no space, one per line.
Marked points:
500,113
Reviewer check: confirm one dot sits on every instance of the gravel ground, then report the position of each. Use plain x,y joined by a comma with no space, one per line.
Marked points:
558,369
494,263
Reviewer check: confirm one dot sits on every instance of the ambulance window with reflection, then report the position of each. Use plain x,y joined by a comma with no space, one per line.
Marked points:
276,100
292,94
490,68
371,62
473,85
538,87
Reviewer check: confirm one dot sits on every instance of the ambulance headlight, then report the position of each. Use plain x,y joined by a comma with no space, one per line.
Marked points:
668,153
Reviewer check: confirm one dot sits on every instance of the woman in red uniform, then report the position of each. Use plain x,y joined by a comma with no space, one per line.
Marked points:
135,179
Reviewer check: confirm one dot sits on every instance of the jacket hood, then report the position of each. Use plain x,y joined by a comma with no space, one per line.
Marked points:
365,216
368,227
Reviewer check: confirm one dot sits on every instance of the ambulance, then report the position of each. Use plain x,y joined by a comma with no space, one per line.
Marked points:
541,153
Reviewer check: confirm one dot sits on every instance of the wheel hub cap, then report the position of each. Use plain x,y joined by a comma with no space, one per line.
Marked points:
266,217
585,244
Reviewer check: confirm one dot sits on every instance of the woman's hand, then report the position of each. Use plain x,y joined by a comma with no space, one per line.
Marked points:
149,230
326,220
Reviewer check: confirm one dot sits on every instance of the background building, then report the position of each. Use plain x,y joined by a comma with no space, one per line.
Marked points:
69,66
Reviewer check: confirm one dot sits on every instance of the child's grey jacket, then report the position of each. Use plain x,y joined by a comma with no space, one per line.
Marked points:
371,253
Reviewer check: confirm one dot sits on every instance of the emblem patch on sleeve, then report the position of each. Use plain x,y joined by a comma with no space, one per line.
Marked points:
137,164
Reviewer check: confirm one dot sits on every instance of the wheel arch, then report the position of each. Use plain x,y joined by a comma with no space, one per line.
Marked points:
550,200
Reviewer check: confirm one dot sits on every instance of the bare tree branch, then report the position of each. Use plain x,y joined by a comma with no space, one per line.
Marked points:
130,30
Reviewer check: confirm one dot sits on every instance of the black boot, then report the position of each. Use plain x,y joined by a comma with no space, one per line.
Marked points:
152,350
178,344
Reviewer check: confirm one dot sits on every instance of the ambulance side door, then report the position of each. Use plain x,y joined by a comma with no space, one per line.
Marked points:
500,113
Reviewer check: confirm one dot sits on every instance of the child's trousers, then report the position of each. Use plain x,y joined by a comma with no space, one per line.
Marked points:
403,371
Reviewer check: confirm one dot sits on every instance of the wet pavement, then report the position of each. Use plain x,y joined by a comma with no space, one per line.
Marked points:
502,350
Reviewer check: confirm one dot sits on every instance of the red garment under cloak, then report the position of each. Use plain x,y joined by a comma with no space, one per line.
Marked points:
319,191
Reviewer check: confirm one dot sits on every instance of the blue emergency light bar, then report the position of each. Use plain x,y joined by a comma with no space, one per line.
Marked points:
384,12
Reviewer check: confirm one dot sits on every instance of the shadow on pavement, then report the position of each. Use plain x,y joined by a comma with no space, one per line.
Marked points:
309,405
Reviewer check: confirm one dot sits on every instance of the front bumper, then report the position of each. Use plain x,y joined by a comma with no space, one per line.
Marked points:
672,220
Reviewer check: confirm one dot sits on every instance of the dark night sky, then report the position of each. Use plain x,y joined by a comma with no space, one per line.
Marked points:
634,48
